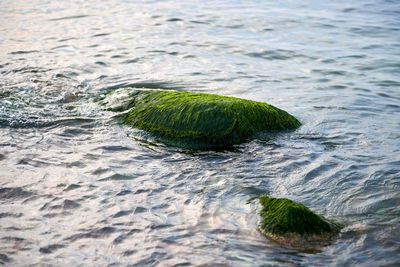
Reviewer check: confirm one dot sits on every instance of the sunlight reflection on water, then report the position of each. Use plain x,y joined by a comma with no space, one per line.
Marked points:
77,188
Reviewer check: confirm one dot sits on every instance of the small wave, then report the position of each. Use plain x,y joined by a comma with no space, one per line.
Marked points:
57,204
95,233
147,85
4,259
36,122
125,236
119,177
331,72
10,215
174,20
122,213
101,34
130,61
101,63
70,17
14,193
24,52
278,54
51,248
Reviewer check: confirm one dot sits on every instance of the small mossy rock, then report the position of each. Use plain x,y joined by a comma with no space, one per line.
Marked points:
196,118
293,224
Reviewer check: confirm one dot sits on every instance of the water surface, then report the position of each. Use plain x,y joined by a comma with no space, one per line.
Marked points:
77,188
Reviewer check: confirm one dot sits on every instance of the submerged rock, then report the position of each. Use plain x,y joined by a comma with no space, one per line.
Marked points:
197,118
293,224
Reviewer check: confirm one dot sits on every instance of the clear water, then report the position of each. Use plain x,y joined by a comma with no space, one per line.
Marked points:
78,189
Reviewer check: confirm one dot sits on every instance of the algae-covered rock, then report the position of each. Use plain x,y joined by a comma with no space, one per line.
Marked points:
293,224
197,118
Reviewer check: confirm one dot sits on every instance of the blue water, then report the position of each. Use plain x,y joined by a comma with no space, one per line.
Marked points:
78,189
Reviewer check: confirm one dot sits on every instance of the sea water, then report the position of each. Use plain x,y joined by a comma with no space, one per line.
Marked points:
79,189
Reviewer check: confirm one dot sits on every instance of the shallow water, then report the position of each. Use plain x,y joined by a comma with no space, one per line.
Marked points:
77,188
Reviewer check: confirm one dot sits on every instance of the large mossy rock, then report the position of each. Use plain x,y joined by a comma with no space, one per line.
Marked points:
293,224
195,118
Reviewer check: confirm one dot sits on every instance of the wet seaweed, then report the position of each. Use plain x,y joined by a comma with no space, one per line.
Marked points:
291,223
197,118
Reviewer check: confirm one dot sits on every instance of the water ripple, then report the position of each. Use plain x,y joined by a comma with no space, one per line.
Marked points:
77,186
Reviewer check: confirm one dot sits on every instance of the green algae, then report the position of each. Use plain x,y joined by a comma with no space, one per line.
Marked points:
291,223
198,118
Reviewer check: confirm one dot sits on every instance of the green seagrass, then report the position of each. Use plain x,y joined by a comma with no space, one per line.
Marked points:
207,119
291,223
